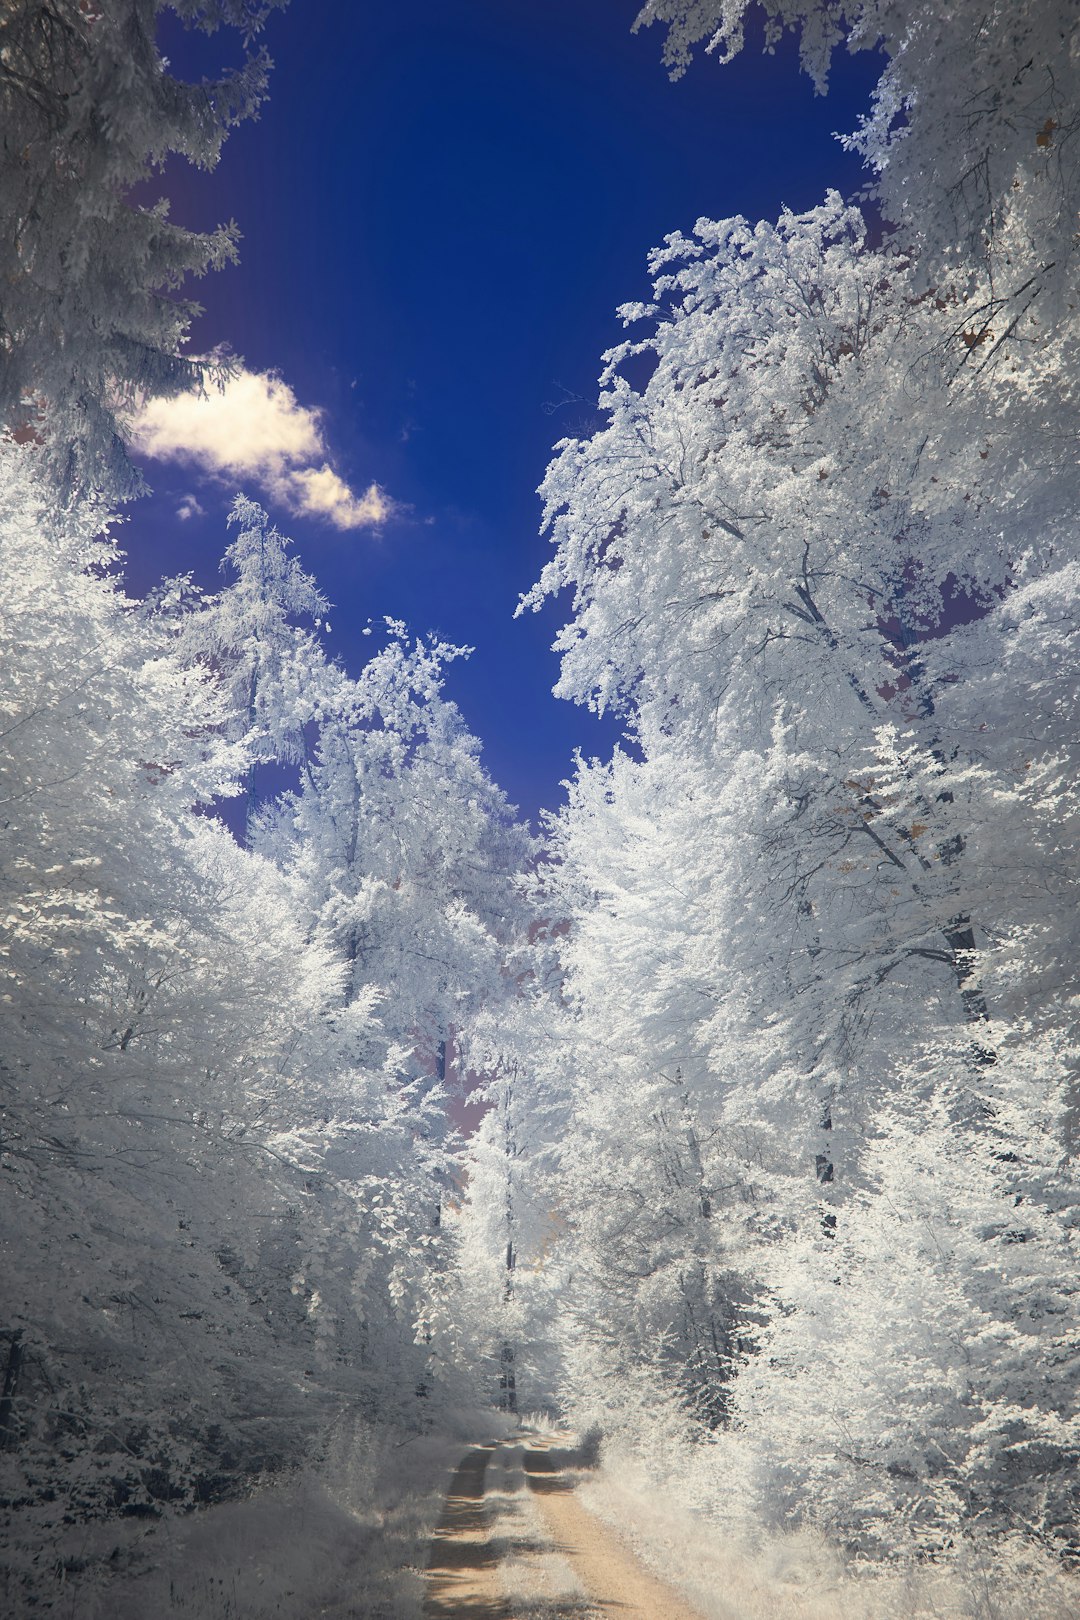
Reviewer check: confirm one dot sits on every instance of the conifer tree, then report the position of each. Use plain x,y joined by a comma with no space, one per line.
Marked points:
90,321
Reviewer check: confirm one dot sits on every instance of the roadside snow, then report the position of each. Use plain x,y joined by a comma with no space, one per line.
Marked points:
798,1577
345,1540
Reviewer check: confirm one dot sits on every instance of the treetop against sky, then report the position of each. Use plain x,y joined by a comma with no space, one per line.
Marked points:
440,214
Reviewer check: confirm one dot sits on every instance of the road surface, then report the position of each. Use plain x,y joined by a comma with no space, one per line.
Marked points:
515,1542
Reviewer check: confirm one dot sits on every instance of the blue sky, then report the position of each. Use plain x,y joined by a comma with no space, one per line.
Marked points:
441,208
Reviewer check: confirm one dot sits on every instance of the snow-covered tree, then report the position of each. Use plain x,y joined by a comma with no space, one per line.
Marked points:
970,132
222,1150
152,1035
407,853
501,1306
405,860
272,670
819,553
90,320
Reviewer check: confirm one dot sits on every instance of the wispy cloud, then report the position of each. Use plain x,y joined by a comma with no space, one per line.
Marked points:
256,430
190,506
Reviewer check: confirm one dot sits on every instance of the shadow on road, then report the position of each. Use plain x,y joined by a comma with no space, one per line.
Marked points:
461,1571
553,1469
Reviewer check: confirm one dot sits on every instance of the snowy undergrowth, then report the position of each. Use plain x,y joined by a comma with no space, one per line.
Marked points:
799,1576
346,1539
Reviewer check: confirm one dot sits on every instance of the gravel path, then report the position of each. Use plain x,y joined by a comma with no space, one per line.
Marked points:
601,1577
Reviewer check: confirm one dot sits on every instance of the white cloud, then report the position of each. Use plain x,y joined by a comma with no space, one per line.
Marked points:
254,426
256,429
190,506
320,492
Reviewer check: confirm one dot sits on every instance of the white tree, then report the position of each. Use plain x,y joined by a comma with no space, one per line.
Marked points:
222,1151
89,320
404,858
272,670
972,122
150,1041
819,560
502,1306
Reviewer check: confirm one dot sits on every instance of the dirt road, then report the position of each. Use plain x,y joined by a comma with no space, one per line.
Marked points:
516,1541
462,1581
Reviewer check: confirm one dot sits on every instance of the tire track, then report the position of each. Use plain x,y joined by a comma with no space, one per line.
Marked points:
462,1573
616,1581
606,1578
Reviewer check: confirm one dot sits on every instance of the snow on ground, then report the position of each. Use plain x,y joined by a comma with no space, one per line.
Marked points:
798,1577
345,1540
349,1540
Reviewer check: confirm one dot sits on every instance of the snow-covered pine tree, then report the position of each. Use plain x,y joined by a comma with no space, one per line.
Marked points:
90,321
272,669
